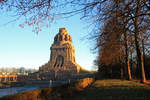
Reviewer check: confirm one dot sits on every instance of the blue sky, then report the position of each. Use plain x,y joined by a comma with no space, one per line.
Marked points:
20,47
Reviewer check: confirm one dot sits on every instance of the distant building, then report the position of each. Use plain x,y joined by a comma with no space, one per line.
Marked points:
8,78
62,63
14,78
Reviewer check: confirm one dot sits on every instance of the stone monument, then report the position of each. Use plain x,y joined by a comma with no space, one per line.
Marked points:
62,63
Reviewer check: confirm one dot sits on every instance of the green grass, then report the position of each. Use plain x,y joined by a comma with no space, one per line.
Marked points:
115,90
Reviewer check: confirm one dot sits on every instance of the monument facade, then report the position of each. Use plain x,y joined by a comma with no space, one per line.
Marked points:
62,63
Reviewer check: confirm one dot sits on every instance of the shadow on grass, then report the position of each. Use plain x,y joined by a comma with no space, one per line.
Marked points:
115,90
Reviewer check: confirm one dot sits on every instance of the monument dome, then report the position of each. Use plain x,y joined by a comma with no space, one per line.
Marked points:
62,63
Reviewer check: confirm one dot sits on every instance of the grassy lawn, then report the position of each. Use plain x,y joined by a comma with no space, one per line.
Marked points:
115,90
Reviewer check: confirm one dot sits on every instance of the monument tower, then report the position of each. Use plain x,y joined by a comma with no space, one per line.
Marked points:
62,63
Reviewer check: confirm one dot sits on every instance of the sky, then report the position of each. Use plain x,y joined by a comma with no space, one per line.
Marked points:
20,47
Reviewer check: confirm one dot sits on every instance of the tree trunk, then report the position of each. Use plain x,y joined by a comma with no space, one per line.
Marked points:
142,60
128,70
138,51
139,59
143,47
143,72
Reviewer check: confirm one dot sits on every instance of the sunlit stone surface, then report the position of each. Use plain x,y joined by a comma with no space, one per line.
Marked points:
62,63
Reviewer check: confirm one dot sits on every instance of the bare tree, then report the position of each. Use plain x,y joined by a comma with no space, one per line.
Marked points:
135,15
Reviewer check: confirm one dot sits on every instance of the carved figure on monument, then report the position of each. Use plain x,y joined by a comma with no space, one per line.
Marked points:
62,64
